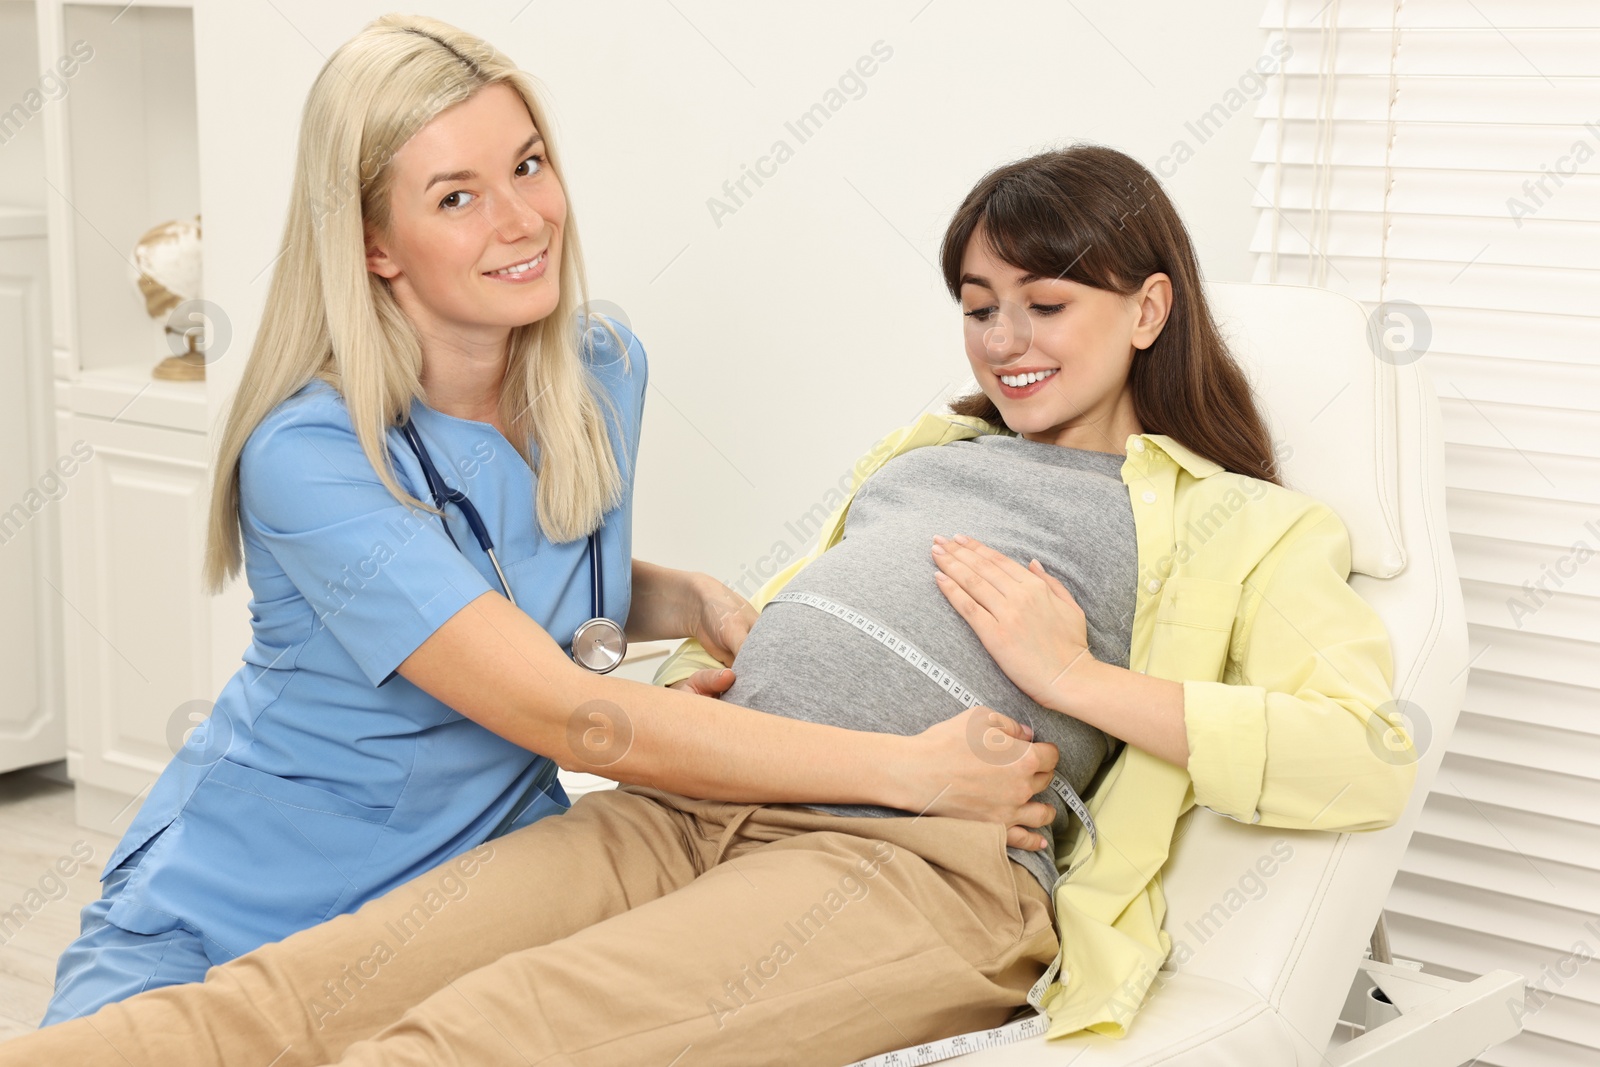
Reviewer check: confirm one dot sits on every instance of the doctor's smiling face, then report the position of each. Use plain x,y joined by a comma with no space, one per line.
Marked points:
1054,354
471,197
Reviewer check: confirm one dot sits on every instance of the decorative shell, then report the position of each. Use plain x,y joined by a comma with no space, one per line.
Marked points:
168,258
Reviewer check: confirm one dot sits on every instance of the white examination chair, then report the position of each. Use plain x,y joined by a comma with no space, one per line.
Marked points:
1267,985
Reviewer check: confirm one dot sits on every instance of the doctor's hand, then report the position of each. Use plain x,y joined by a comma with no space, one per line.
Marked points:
719,618
983,765
1026,618
707,683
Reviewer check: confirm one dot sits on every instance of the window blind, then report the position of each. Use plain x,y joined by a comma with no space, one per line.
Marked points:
1440,160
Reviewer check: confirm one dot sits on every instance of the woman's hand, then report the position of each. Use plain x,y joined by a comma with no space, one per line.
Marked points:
719,619
1028,621
982,765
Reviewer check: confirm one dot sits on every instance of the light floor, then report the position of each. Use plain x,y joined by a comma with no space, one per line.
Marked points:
36,830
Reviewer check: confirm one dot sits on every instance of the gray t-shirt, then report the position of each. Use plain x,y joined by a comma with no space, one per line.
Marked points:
1068,507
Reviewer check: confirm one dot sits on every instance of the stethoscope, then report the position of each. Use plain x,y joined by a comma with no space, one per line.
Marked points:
598,643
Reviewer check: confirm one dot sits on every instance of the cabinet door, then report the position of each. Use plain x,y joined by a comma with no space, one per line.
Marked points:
137,626
31,714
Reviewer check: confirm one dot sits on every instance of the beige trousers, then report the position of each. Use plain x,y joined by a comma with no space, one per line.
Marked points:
640,928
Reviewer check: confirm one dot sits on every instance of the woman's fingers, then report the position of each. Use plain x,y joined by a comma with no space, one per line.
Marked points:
990,577
1003,563
951,585
1000,564
1052,582
982,566
960,574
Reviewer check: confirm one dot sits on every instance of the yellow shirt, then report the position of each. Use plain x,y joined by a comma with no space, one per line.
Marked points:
1244,598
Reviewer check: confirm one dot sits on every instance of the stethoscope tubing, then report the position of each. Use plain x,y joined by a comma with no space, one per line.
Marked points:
442,494
601,634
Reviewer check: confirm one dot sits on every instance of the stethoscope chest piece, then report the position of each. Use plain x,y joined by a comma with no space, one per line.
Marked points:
599,645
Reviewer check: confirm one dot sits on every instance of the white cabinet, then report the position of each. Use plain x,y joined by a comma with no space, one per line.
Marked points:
137,634
32,488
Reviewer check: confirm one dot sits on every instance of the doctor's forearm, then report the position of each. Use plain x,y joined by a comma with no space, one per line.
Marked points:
660,606
703,747
496,666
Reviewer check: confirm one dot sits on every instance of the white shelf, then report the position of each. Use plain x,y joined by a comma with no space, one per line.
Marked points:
131,153
127,393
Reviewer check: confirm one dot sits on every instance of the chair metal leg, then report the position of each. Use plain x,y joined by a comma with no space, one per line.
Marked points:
1442,1023
1379,946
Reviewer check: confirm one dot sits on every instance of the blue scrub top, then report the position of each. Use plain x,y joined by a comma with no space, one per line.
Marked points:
323,778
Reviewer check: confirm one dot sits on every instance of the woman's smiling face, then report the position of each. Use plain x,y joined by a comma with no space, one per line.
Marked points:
1053,354
472,194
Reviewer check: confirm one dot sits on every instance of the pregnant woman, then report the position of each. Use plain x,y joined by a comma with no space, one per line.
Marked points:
649,927
411,683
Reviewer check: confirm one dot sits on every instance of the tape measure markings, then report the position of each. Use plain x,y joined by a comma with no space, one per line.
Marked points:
933,669
951,1047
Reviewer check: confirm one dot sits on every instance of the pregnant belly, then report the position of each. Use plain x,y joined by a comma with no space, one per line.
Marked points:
804,663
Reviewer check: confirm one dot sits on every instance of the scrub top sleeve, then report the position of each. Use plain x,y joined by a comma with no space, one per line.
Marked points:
381,577
607,362
626,387
639,365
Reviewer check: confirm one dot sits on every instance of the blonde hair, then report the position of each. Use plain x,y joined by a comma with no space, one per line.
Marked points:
327,316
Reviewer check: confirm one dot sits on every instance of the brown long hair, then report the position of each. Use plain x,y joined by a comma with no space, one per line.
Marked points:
1097,217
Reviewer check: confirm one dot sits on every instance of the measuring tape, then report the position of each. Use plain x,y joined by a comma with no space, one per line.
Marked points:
946,681
951,1047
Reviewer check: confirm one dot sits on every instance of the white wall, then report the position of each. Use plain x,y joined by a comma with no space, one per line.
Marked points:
811,320
21,142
